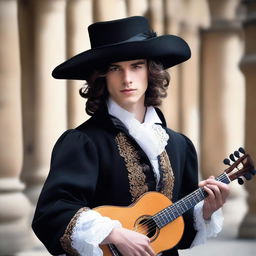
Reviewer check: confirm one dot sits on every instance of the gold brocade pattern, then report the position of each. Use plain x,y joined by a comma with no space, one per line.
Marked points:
168,176
66,239
136,176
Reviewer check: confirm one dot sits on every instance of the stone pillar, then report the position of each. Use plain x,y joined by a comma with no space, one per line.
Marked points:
109,10
79,17
173,13
15,208
248,66
44,98
135,7
222,94
195,18
155,15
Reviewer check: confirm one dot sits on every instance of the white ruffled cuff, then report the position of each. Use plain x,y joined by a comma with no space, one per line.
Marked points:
206,229
90,230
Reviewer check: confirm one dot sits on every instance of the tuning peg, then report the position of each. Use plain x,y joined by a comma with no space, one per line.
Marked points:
226,161
248,176
240,181
231,156
236,153
241,150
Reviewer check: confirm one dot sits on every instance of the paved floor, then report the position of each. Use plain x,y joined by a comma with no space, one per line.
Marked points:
224,247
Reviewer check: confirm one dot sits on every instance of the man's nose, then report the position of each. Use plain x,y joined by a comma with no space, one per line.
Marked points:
127,77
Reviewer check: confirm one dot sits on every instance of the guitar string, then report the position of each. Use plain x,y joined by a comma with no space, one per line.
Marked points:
150,226
147,223
170,210
161,216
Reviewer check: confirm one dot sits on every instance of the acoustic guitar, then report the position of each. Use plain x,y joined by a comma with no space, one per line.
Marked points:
155,216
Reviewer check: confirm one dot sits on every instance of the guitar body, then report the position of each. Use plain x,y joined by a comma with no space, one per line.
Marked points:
135,217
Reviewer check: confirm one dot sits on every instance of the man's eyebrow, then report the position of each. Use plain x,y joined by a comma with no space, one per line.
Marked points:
114,65
140,62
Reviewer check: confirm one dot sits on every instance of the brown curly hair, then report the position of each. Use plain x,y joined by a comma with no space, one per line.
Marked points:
96,93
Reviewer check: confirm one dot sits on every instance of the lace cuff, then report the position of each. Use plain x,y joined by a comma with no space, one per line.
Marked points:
206,229
86,231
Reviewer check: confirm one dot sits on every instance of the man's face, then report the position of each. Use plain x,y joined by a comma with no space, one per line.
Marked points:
127,82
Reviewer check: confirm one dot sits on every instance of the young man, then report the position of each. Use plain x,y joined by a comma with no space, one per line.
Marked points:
124,149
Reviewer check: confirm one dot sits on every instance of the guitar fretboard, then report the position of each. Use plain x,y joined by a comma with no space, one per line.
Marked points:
172,212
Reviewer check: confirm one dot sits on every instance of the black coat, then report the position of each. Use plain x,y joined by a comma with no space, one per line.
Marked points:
92,165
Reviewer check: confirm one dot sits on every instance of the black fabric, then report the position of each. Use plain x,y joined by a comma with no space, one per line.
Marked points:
87,171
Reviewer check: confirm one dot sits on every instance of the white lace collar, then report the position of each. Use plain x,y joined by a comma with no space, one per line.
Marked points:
151,137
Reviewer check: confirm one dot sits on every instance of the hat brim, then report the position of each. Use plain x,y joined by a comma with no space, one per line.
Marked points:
170,50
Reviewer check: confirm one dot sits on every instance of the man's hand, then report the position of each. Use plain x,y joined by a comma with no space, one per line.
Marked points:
217,195
129,243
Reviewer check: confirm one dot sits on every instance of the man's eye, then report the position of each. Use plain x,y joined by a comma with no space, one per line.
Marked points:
113,69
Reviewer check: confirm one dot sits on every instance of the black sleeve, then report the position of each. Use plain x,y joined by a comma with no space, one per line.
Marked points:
69,186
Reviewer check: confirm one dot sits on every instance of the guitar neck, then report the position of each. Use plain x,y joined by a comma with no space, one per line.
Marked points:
175,210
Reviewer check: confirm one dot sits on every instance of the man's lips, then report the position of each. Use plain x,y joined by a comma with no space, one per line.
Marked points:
128,90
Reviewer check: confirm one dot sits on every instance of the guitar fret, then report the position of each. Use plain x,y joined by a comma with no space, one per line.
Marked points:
189,201
185,206
165,219
201,191
171,211
198,195
224,178
175,212
180,206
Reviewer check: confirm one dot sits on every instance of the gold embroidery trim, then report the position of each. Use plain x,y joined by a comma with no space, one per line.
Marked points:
136,176
66,239
168,176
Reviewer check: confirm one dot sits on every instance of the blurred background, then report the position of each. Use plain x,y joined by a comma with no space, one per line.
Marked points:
211,99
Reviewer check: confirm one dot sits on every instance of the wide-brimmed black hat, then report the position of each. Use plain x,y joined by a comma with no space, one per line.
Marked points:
120,40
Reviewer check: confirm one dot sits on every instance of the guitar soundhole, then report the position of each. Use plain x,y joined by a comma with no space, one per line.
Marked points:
147,226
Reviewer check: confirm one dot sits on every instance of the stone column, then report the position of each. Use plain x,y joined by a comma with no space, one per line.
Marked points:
222,94
44,98
173,13
79,17
15,207
222,86
135,7
109,10
248,66
156,16
195,18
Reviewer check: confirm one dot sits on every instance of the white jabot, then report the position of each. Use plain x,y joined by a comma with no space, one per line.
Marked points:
151,137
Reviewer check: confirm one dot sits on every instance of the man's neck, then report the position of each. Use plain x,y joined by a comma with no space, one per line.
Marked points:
138,111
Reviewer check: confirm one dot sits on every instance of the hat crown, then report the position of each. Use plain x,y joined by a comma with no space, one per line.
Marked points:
113,32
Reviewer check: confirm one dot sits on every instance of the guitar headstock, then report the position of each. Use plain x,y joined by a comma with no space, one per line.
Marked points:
240,165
